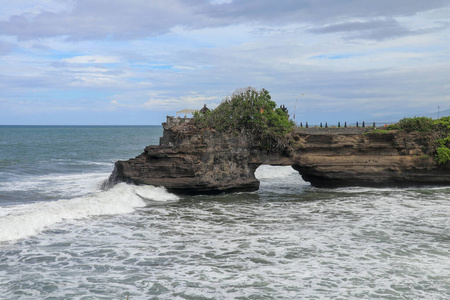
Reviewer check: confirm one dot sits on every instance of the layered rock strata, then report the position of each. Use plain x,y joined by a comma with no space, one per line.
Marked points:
193,161
376,159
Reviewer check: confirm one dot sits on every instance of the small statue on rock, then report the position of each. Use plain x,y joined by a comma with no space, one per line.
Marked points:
204,109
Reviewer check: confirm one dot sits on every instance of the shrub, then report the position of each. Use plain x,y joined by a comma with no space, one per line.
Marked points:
392,127
443,122
440,133
252,112
442,155
421,124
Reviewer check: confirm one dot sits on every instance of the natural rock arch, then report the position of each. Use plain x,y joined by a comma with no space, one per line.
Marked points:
190,160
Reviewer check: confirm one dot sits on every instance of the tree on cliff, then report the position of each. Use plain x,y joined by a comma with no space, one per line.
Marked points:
250,111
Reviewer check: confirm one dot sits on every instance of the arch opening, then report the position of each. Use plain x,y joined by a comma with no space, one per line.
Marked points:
274,178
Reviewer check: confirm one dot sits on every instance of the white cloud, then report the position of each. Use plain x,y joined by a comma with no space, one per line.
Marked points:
354,57
91,59
32,8
169,103
220,2
124,20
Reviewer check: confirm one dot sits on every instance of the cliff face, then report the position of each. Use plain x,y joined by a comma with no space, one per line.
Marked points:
193,161
396,158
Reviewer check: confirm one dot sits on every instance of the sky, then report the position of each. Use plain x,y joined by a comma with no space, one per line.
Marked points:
133,62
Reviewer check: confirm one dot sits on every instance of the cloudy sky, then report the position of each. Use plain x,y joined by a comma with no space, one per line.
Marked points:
136,61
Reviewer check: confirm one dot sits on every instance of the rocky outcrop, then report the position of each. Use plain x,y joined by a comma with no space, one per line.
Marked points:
368,158
193,161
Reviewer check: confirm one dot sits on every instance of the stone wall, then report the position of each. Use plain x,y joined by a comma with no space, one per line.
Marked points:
173,121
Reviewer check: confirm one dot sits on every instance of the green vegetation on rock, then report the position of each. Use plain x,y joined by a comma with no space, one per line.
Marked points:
420,124
442,155
439,127
443,152
443,122
252,112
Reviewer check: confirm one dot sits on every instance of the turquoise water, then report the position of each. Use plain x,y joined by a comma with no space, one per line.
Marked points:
33,159
62,237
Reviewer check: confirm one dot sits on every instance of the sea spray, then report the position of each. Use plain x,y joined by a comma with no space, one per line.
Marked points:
29,219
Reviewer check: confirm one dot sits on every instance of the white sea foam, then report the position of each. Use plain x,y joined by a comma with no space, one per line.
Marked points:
57,185
363,246
21,221
268,172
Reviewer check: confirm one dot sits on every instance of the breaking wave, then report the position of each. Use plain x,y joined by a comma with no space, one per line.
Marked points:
26,220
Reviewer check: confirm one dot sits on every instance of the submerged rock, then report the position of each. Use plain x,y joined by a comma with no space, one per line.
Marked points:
190,160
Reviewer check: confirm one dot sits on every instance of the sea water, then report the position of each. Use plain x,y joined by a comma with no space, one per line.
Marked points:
63,237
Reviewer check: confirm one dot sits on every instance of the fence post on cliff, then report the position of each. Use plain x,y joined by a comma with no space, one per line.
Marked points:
326,124
345,124
306,124
320,124
364,124
373,124
301,125
357,124
339,124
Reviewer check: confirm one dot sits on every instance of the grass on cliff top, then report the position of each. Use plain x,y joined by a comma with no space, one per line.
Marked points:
423,124
252,112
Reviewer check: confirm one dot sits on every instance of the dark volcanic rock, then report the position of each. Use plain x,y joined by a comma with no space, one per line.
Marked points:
193,161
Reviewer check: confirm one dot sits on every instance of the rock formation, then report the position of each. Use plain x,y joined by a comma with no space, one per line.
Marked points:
330,158
193,161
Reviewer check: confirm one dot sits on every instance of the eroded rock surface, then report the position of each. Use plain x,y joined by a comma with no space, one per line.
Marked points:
193,161
396,158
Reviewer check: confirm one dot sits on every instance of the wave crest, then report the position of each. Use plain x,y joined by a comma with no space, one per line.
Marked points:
30,219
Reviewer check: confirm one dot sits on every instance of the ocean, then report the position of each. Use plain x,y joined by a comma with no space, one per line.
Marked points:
63,237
